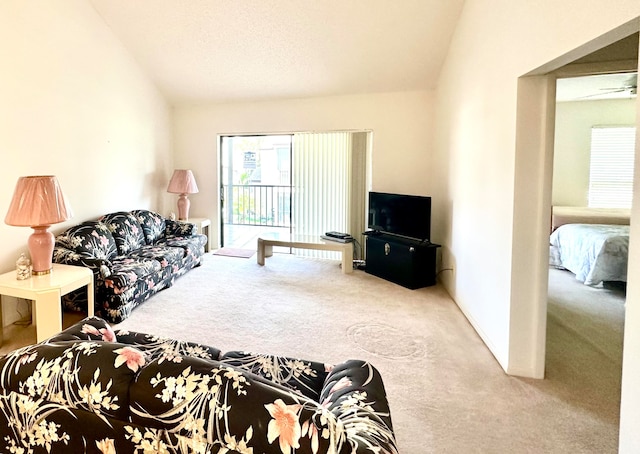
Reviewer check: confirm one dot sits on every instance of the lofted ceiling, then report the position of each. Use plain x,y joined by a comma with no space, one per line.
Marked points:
229,50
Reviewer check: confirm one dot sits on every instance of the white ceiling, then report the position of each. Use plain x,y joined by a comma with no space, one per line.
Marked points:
603,86
223,50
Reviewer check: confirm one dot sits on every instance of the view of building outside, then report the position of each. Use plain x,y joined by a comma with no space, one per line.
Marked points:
256,176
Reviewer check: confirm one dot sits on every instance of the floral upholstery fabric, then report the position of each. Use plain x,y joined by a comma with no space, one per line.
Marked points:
91,239
126,231
94,390
132,255
153,225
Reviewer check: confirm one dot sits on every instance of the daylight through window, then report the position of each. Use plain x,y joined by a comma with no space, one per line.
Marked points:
611,168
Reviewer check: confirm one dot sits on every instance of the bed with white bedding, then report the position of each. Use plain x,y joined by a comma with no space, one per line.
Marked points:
593,252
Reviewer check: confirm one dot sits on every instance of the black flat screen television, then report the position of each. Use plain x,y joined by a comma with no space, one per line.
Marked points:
399,214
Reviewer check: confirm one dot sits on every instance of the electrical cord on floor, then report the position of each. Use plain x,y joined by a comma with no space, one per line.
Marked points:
443,269
358,264
357,249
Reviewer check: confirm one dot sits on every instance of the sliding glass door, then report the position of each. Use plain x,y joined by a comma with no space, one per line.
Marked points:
303,184
256,187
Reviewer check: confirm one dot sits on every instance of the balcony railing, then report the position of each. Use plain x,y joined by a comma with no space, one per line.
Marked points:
268,205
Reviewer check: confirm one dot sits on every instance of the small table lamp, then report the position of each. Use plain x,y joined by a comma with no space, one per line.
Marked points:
38,202
183,182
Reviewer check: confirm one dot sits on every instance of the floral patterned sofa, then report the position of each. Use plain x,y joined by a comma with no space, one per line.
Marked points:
90,389
133,255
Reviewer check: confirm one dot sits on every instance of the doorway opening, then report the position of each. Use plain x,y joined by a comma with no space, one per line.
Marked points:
593,160
534,165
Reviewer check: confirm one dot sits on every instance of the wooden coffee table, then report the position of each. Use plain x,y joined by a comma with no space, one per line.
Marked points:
268,240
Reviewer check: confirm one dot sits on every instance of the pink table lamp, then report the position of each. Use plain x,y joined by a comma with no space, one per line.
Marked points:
38,202
183,182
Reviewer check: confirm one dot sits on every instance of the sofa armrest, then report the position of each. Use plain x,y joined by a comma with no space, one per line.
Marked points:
180,228
88,329
100,267
355,394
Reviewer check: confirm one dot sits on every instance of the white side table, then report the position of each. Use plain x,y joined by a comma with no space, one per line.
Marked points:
266,241
45,291
204,225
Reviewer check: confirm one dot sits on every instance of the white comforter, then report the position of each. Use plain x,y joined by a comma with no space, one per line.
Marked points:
593,252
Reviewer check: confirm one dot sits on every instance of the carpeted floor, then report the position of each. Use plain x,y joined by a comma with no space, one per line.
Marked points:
447,393
235,252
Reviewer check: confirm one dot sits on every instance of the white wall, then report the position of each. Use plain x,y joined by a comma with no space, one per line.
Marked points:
630,401
572,148
401,124
496,42
73,103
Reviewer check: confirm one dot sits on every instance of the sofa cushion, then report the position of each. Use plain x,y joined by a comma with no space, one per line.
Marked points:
91,238
165,255
153,225
33,425
190,245
126,231
219,405
91,375
125,271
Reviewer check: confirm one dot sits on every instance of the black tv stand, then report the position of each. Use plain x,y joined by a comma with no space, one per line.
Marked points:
404,261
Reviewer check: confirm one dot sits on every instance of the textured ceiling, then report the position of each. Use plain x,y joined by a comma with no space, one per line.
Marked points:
229,50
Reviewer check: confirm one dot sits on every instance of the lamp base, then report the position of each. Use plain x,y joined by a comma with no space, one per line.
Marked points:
41,244
183,207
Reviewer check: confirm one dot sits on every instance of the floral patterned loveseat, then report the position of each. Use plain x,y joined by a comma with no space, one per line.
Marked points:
90,389
133,255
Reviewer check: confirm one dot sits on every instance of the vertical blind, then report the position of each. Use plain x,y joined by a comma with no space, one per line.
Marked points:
322,186
611,167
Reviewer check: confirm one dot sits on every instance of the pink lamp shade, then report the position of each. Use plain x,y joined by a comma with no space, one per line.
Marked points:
38,202
183,182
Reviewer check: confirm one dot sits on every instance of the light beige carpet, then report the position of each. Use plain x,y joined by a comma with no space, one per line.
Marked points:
235,252
447,393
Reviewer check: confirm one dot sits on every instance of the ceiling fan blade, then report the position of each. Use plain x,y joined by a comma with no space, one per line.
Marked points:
604,93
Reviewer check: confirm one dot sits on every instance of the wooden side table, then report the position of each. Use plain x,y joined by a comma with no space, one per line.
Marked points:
45,291
204,226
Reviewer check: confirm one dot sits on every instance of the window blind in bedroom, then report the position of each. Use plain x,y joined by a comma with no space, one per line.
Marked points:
611,167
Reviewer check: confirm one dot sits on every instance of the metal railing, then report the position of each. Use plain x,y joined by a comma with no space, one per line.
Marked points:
268,205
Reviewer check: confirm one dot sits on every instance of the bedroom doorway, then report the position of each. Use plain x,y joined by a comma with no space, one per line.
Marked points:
532,216
591,192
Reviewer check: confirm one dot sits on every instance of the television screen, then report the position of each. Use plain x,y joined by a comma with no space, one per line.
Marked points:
398,214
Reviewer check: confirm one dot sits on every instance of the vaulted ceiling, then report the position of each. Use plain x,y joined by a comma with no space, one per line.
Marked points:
228,50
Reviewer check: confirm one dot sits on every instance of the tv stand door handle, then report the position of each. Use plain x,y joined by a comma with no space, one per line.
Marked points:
387,249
